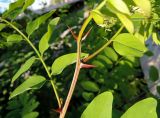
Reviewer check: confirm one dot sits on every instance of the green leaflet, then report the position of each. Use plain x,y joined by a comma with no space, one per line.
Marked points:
14,38
34,25
2,26
43,44
100,107
128,45
155,38
31,115
90,86
126,21
33,82
119,6
145,5
97,17
24,67
110,53
153,73
63,61
27,4
16,8
144,109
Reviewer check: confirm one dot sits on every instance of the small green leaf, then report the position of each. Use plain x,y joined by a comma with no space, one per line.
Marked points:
34,25
153,73
100,107
126,21
14,9
106,60
62,62
145,5
119,5
128,45
31,115
14,38
43,44
158,89
2,26
27,4
155,38
33,82
98,64
87,96
144,109
90,86
24,67
111,54
97,17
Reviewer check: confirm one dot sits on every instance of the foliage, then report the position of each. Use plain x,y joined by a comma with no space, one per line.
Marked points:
103,105
116,41
22,106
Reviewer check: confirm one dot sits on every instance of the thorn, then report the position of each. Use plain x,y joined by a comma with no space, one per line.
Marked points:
85,36
59,110
87,66
73,34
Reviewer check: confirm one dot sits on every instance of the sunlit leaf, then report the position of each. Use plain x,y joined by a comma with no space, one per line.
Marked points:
62,62
33,82
34,25
43,44
90,86
24,67
126,21
100,107
97,17
155,38
14,38
145,5
119,5
144,109
128,45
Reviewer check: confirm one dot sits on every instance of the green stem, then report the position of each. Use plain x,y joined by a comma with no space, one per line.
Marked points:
105,45
101,5
56,93
38,54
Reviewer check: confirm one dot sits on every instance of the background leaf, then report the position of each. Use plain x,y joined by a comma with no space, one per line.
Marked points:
153,73
24,67
90,86
128,45
32,82
145,5
16,8
100,107
34,25
43,44
144,109
14,38
62,62
2,26
27,4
